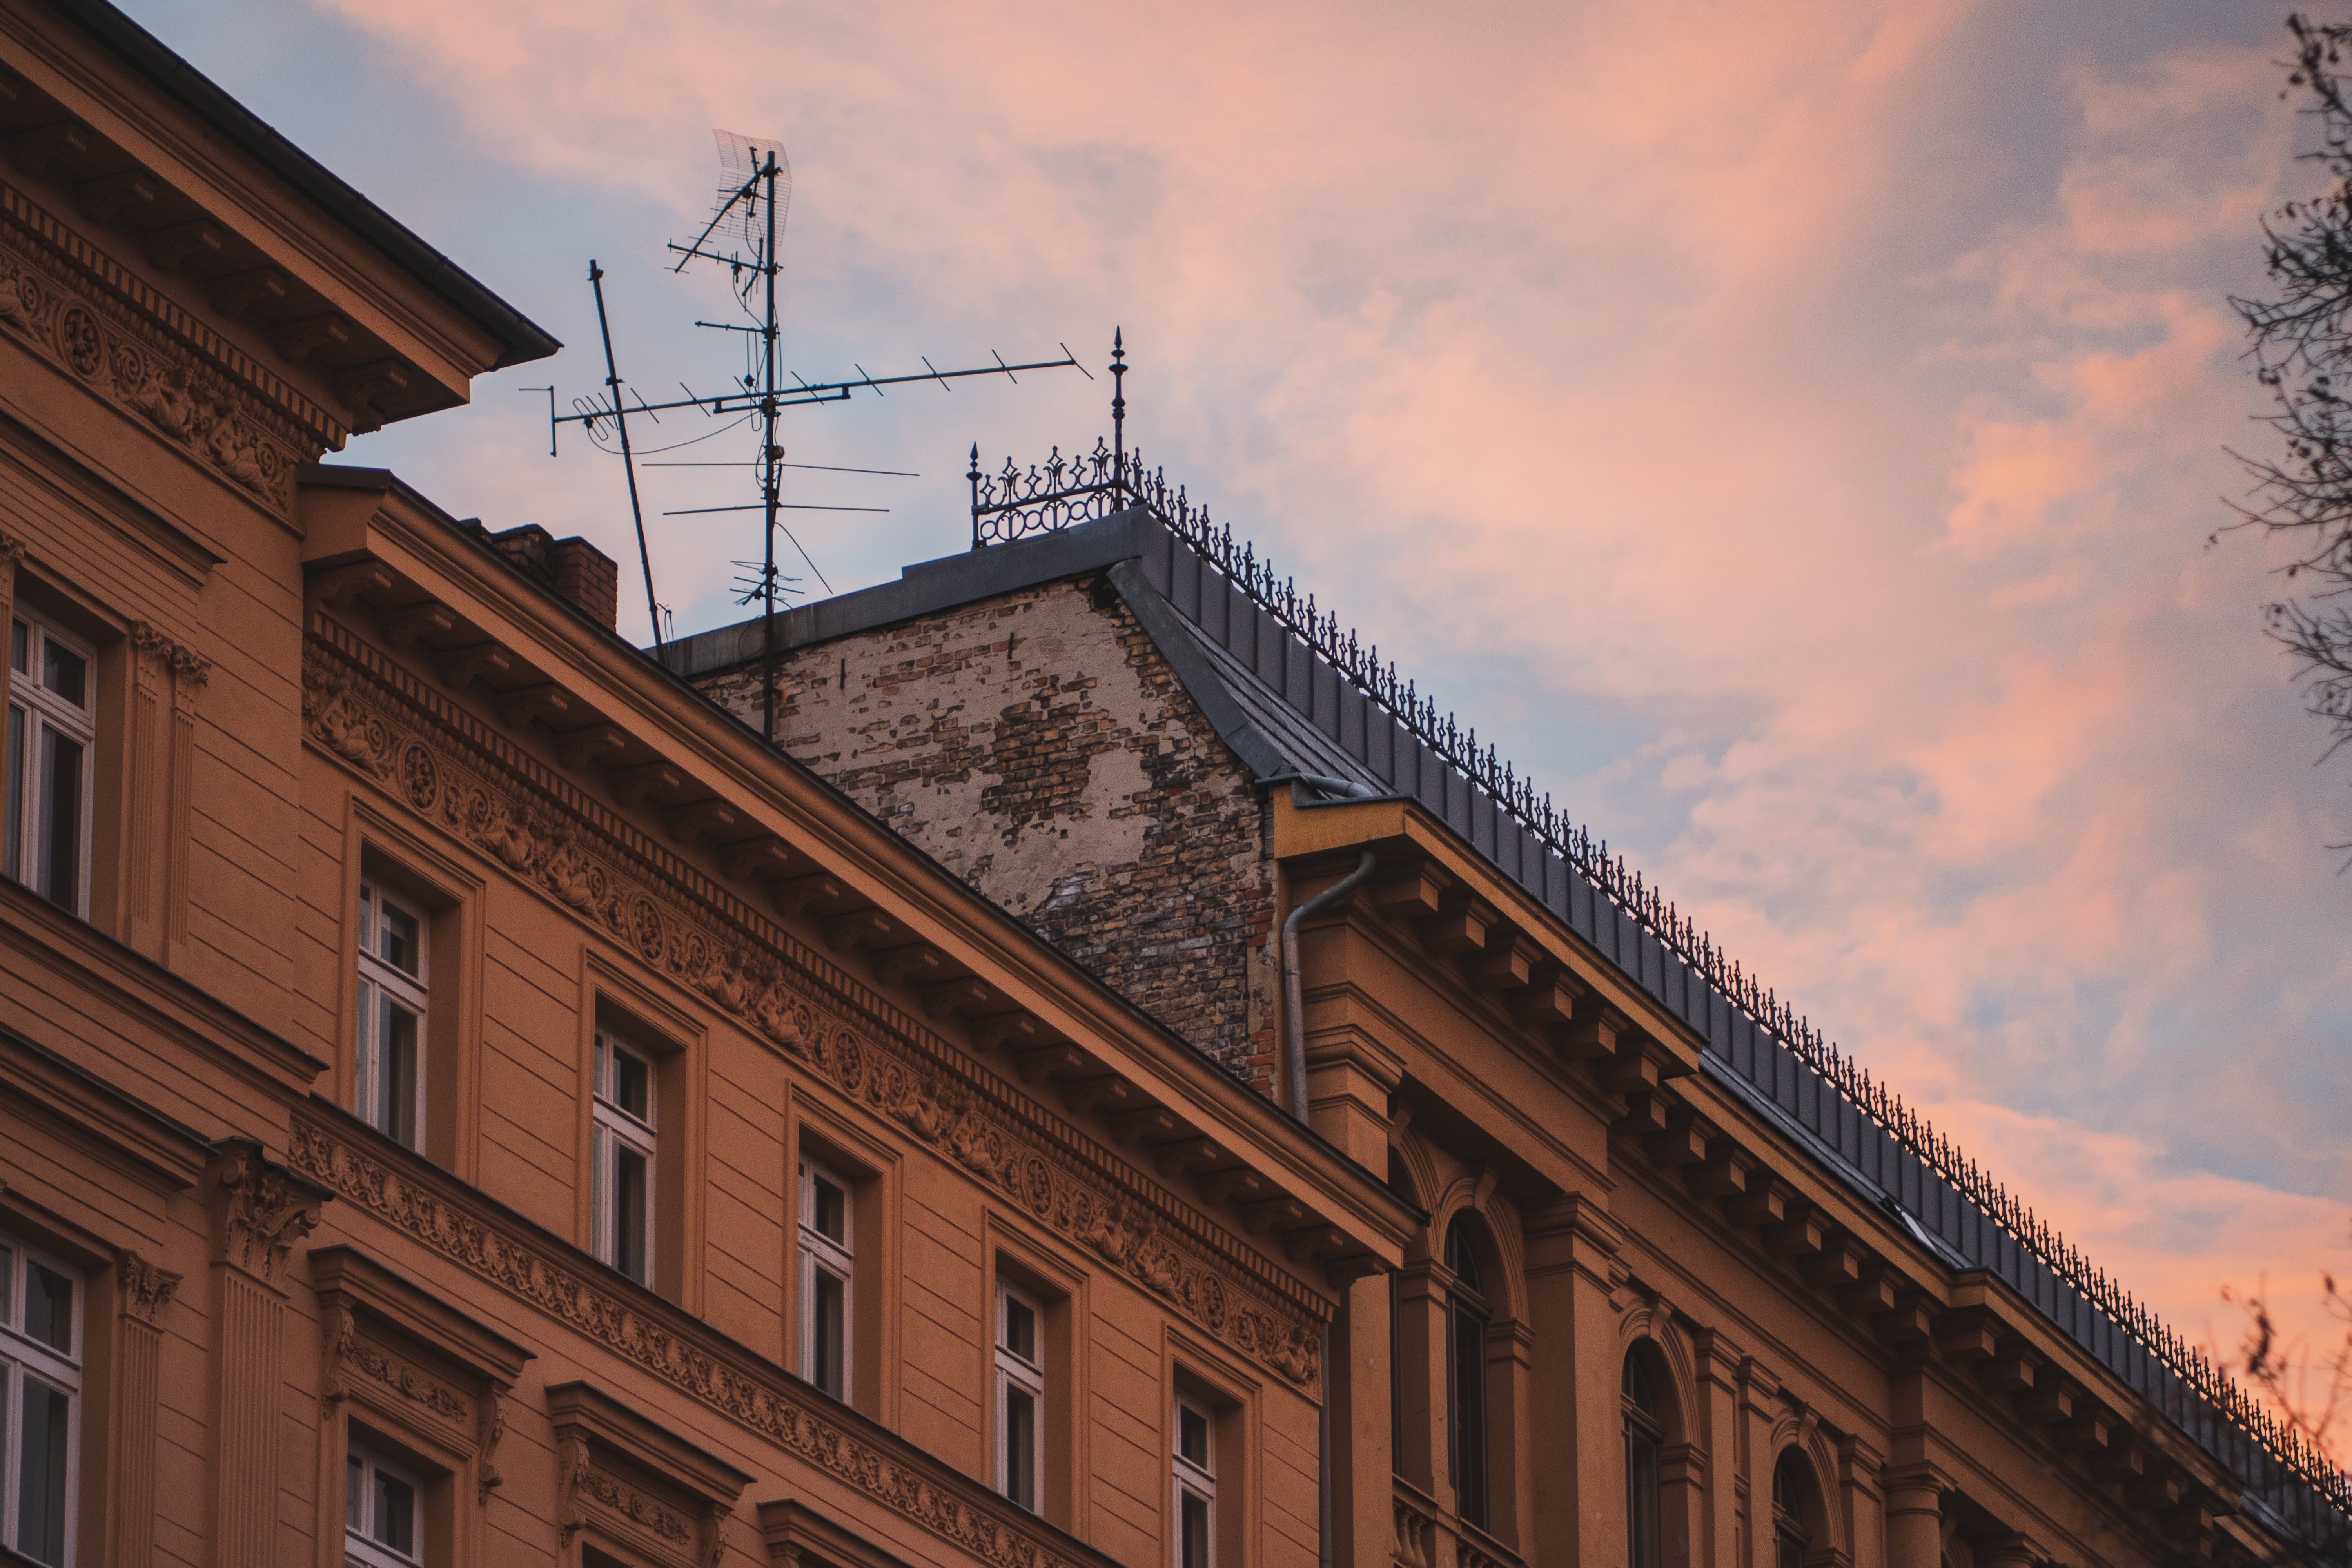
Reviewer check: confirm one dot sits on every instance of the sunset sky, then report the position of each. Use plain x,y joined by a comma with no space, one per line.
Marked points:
1790,431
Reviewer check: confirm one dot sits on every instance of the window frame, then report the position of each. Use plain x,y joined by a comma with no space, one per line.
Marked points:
1026,1376
1645,1439
614,1129
838,1259
1792,1538
359,1546
22,1356
32,705
382,981
1469,1446
1193,1478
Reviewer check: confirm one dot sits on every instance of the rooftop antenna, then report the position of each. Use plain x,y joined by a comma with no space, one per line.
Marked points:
755,190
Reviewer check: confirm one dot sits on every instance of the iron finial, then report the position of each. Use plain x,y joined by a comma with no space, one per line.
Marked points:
1118,412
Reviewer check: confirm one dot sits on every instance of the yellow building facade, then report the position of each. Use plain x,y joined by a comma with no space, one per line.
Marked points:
465,1100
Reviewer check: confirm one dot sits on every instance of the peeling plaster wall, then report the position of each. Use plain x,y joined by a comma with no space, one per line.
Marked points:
1038,746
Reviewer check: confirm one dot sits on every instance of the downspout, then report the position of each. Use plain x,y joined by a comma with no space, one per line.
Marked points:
1295,1018
1293,1004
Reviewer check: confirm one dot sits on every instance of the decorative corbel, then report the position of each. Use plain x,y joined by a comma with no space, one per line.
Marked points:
571,1469
339,1330
714,1534
493,1428
260,1209
147,1290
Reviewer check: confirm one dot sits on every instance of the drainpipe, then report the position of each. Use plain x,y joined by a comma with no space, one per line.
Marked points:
1293,997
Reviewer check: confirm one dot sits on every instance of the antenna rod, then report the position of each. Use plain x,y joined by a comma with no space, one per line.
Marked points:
769,453
629,460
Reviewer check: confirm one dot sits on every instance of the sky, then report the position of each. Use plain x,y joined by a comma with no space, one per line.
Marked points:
1795,434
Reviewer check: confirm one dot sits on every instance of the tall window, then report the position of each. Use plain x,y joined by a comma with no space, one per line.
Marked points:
392,976
40,1402
1790,1537
1644,1434
827,1274
382,1511
1020,1396
1466,1375
51,724
622,1181
1195,1467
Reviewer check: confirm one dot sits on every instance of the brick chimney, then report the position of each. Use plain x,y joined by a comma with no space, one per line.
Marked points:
573,567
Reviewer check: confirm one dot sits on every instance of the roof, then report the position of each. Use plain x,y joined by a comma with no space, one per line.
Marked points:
1290,695
520,338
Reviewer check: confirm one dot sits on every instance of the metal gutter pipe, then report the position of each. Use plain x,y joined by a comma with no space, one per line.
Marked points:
1293,997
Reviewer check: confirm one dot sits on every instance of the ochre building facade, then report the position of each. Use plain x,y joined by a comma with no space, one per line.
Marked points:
465,1100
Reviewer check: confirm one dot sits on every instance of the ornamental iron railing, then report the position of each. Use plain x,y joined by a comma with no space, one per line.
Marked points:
1014,503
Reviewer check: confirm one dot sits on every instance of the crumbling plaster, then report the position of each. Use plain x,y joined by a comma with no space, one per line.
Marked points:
1037,745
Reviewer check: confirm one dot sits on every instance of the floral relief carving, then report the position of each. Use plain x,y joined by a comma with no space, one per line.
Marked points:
146,1288
493,1428
354,716
259,1211
347,1351
127,358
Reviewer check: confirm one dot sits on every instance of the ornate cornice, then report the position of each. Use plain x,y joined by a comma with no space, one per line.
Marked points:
407,739
105,329
679,1352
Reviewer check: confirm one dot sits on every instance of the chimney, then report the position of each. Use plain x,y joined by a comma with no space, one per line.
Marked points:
590,579
573,567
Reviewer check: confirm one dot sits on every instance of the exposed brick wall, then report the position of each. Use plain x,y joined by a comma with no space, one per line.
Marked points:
1037,745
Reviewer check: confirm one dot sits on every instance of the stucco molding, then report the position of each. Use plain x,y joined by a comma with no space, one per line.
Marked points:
697,1362
147,1288
552,839
260,1210
104,328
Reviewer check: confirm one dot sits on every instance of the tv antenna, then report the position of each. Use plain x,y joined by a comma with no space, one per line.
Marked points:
755,189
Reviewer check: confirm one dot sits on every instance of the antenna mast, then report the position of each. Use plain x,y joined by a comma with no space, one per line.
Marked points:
628,459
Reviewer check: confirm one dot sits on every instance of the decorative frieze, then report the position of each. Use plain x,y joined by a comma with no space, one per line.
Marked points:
130,347
477,786
350,1353
782,1410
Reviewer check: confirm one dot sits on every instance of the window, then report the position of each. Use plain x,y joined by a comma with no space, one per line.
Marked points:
1195,1466
383,1509
1465,1377
51,736
40,1401
1020,1396
826,1274
1644,1434
1790,1537
622,1179
391,1058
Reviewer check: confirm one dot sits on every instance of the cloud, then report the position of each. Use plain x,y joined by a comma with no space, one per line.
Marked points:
1792,428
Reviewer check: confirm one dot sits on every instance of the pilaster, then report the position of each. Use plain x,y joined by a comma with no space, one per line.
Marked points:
1759,1391
1572,1279
12,555
146,1292
1362,1501
259,1211
166,679
1716,1361
1860,1493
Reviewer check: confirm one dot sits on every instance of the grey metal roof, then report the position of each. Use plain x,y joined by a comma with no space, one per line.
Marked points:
1274,690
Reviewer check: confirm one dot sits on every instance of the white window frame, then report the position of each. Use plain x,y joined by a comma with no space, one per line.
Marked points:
382,981
822,1254
1194,1479
360,1543
31,708
1016,1373
23,1358
617,1130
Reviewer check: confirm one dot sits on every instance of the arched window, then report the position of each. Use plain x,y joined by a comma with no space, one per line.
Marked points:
1791,1485
1644,1434
1466,1375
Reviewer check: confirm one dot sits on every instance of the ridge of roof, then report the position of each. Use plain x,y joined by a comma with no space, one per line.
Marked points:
1294,692
520,339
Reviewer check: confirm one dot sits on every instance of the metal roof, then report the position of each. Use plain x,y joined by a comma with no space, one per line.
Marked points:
1288,694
